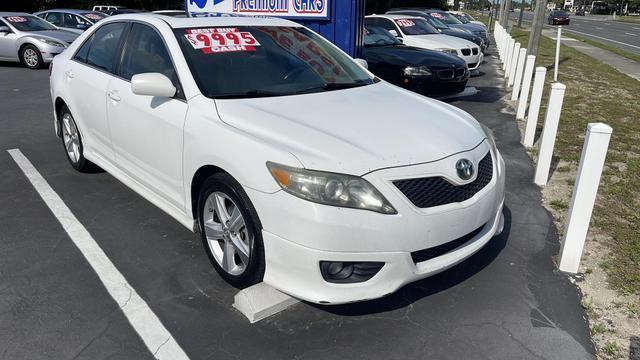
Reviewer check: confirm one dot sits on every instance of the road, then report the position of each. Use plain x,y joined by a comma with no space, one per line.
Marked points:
623,35
506,302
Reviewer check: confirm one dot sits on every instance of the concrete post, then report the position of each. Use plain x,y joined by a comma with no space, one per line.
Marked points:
512,63
517,81
534,106
585,190
536,28
555,68
549,131
526,86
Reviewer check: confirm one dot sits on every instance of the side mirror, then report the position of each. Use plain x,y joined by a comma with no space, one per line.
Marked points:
394,33
152,84
362,62
4,29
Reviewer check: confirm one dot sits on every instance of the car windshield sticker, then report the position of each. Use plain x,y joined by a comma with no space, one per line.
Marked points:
406,23
437,15
220,40
92,16
16,19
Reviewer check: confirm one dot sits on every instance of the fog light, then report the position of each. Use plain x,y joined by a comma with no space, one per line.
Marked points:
349,272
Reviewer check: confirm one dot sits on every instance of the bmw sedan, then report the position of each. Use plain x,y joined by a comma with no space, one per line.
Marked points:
28,39
293,164
427,72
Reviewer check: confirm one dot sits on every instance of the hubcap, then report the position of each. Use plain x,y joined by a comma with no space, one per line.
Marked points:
30,57
71,138
227,235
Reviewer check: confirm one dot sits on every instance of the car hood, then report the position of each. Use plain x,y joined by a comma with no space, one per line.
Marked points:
63,35
474,27
439,41
409,55
358,130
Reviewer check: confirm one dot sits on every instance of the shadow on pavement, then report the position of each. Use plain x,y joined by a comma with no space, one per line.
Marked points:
634,348
415,291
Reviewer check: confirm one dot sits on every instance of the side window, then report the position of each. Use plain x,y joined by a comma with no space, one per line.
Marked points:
145,52
81,54
105,46
72,21
55,18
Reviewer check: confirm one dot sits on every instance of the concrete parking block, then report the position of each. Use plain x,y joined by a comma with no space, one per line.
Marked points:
261,301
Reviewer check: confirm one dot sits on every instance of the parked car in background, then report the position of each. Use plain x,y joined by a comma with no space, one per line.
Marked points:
120,11
446,18
457,32
463,15
416,31
293,164
558,17
105,8
70,19
30,40
427,72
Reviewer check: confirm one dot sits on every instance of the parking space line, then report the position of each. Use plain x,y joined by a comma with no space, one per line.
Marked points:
154,335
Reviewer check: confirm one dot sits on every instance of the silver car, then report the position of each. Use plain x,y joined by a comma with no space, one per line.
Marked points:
28,39
76,21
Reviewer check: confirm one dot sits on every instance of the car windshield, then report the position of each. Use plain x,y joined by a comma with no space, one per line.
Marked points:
416,26
261,61
378,36
94,16
560,13
468,17
437,23
446,18
29,23
461,18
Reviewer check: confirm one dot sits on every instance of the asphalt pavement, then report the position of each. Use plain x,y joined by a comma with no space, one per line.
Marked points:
601,28
506,302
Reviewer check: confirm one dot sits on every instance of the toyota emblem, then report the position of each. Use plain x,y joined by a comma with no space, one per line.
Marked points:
464,167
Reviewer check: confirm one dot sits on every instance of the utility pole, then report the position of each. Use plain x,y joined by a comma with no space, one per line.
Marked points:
536,28
522,2
507,14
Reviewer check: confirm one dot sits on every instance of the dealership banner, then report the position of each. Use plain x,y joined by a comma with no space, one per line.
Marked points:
309,9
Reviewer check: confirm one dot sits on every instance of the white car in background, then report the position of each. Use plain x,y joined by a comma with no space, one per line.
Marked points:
295,165
416,31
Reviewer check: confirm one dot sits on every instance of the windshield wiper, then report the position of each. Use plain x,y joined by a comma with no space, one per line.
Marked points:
249,94
333,86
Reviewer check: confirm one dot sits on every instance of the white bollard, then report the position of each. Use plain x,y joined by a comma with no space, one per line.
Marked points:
549,131
526,86
534,106
517,80
594,153
507,52
555,68
512,64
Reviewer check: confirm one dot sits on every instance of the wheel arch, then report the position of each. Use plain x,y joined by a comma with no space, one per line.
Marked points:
198,179
58,104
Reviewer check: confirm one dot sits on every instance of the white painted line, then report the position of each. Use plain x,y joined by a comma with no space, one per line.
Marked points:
632,34
155,336
636,28
599,28
603,38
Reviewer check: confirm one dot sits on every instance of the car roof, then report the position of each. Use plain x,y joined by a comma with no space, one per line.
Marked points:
73,11
396,16
187,22
9,13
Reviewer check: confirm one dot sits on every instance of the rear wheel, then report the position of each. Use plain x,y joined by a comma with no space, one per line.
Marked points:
30,57
231,231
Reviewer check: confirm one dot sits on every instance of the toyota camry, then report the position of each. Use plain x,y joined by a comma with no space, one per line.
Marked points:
292,162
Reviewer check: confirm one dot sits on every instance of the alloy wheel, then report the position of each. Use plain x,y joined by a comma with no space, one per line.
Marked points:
31,57
228,237
71,138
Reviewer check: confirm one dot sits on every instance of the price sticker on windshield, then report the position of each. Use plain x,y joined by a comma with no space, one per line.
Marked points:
406,23
221,40
93,16
437,15
16,19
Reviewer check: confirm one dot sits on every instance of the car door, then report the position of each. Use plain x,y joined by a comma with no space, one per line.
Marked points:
88,76
146,131
8,48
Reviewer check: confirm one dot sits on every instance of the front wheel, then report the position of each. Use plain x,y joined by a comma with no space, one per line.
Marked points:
72,142
231,231
31,58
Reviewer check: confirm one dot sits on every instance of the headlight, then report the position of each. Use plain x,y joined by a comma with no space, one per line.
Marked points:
330,188
51,42
492,141
416,71
448,51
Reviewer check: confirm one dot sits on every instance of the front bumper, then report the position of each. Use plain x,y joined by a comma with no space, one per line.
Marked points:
48,52
436,85
298,235
473,61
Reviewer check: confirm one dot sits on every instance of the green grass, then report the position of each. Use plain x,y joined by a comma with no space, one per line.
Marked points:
598,328
596,43
559,205
596,92
611,348
629,19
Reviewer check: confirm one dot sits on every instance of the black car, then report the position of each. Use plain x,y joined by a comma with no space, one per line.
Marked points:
558,17
427,72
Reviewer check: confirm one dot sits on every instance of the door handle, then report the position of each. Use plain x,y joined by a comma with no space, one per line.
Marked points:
113,95
69,74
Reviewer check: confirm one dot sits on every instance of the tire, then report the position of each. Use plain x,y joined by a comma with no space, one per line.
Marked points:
30,57
72,142
245,266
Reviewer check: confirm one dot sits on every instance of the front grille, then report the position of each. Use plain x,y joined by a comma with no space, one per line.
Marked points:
446,74
466,52
433,252
460,72
435,191
472,65
475,51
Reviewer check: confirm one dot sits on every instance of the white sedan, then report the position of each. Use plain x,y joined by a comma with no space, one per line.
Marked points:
293,163
417,32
